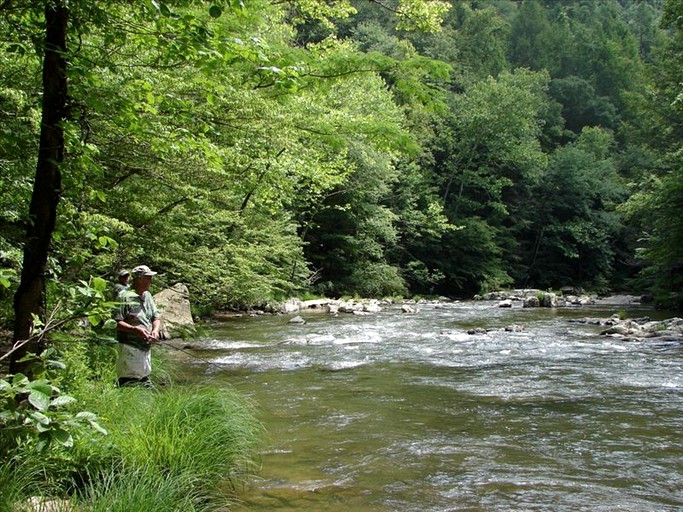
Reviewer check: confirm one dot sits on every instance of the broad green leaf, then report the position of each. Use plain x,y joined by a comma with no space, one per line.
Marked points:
39,400
56,364
42,420
99,428
41,386
215,11
62,400
20,380
63,437
99,284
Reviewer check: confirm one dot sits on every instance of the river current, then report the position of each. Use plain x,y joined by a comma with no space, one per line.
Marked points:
408,412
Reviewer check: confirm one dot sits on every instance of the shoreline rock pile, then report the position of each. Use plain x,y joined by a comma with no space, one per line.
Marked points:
637,329
333,306
535,298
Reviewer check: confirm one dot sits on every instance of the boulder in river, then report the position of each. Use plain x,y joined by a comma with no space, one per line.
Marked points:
174,307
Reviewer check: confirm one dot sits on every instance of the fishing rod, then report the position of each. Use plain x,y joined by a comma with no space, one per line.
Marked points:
193,356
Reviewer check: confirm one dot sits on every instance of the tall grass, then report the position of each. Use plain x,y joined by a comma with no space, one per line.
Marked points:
173,448
203,432
183,448
17,483
138,489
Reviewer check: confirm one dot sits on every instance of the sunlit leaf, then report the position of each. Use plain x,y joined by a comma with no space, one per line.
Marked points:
39,400
62,400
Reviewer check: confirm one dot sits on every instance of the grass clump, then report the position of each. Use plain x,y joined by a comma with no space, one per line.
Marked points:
179,448
125,489
174,448
201,433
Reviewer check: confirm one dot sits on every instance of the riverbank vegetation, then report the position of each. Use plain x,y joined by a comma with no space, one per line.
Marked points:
72,438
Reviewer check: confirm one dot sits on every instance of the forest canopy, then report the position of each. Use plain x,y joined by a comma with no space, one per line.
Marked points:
258,150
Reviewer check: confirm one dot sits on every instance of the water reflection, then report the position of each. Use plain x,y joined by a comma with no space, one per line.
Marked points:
396,412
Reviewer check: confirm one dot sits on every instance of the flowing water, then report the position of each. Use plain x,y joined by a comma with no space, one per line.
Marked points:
408,412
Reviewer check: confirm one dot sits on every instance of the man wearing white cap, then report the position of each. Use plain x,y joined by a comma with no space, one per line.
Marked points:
137,326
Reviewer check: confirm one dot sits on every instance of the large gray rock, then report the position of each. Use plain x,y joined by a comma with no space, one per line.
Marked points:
174,306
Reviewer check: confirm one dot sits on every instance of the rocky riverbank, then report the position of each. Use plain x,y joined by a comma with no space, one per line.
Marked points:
638,329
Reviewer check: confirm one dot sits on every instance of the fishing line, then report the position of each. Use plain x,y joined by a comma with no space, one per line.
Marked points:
210,363
198,358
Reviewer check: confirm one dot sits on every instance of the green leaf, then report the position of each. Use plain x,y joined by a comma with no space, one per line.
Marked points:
98,427
41,420
215,11
40,386
94,320
63,437
110,323
91,419
62,400
56,364
19,380
39,400
99,284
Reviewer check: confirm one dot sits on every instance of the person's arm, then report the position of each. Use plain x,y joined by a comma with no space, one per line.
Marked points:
156,324
140,330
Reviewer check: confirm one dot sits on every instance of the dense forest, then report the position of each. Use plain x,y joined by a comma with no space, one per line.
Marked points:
258,150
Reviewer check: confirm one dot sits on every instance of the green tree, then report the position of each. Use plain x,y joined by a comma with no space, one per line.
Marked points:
486,158
575,227
654,208
533,38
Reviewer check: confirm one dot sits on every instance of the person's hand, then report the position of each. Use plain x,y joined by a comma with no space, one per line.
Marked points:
154,335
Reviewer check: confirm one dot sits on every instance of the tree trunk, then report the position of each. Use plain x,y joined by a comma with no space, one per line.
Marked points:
30,296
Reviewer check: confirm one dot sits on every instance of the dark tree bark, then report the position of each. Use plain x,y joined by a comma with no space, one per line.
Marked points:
30,296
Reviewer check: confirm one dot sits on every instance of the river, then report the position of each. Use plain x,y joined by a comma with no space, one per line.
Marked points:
408,412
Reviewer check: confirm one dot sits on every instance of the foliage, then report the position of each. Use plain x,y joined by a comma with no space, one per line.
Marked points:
183,448
576,223
265,149
654,205
256,150
486,159
36,413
